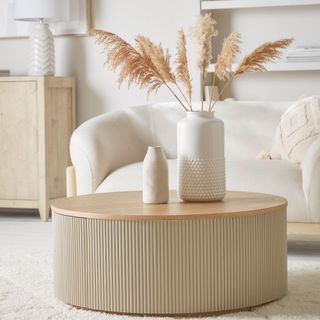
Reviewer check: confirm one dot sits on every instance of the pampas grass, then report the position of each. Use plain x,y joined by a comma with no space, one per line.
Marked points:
147,65
182,70
227,55
202,34
267,52
255,62
134,68
223,70
161,62
157,56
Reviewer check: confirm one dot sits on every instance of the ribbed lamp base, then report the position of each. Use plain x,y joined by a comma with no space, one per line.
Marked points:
42,59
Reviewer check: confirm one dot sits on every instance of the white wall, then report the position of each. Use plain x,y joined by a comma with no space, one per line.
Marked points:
97,90
264,24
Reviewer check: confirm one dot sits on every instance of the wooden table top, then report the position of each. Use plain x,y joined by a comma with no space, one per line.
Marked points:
129,206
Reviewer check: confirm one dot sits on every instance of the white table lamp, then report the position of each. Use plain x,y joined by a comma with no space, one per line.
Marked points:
41,39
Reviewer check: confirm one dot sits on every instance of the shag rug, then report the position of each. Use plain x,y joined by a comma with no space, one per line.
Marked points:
26,292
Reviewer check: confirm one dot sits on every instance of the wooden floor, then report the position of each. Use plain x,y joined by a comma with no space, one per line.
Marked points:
27,230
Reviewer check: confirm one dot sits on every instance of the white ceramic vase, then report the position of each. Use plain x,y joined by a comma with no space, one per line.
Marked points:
42,58
155,176
201,163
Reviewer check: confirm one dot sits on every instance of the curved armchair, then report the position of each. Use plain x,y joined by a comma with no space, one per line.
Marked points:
106,143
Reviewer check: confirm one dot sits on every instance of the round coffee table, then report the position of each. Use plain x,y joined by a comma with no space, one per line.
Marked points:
113,253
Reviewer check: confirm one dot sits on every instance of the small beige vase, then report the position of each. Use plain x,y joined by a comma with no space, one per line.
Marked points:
155,176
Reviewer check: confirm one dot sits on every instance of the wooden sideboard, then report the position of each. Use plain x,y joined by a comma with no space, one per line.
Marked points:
37,118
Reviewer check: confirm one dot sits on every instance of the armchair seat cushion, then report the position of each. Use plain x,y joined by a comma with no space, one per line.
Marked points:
129,178
275,177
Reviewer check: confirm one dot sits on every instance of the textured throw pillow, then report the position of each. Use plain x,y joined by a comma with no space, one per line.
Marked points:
299,126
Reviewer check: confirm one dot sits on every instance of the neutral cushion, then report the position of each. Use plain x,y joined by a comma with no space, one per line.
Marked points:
299,127
276,177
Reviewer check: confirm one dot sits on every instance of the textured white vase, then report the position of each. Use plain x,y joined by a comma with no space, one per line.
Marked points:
42,60
155,176
201,163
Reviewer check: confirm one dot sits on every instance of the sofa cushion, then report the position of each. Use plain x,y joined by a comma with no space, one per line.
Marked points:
299,127
275,177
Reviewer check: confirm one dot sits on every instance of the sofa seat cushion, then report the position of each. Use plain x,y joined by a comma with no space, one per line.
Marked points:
277,177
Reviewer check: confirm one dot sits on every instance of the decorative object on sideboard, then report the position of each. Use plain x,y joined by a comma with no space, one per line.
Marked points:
155,176
42,55
148,66
4,73
207,93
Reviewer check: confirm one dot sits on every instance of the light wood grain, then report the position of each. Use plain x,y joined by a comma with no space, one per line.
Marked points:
18,141
300,228
37,118
23,204
129,206
60,127
71,182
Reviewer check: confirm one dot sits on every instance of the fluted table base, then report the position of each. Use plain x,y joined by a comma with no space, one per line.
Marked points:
171,267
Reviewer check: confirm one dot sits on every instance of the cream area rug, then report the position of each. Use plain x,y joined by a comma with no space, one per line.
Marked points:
26,292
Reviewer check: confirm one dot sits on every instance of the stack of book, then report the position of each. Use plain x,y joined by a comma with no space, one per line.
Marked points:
304,54
4,73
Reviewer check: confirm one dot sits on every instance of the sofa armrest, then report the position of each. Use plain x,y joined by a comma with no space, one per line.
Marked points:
311,179
106,143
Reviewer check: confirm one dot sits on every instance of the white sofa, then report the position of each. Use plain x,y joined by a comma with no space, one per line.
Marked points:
107,152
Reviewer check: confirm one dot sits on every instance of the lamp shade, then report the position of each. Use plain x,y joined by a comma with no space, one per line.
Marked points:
35,10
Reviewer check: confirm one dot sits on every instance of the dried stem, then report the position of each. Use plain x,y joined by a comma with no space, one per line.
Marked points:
136,67
202,35
148,65
160,61
267,52
176,96
211,92
222,90
255,62
225,59
182,70
183,95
